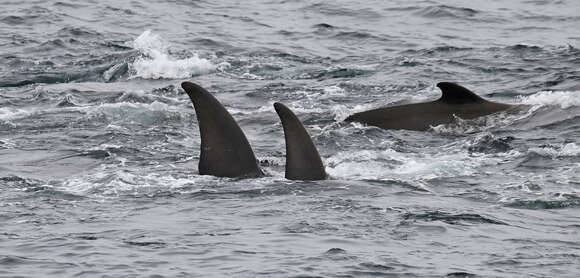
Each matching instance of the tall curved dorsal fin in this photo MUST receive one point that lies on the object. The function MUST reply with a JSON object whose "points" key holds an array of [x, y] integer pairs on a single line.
{"points": [[302, 159], [456, 94], [225, 151]]}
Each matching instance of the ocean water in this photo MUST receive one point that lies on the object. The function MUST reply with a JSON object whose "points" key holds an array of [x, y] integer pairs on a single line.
{"points": [[99, 145]]}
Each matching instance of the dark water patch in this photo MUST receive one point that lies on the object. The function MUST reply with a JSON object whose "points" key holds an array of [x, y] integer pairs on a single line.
{"points": [[490, 144], [95, 154], [404, 184], [68, 4], [245, 19], [18, 40], [87, 236], [335, 251], [403, 8], [546, 17], [9, 261], [19, 182], [556, 79], [68, 59], [376, 267], [443, 11], [531, 29], [294, 188], [323, 26], [268, 213], [41, 78], [53, 194], [251, 21], [13, 20], [524, 48], [268, 53], [289, 34], [133, 97], [333, 73], [78, 33], [34, 15], [305, 227], [332, 9], [121, 11], [116, 45], [169, 91], [338, 254], [571, 202], [571, 124], [53, 45], [453, 219], [548, 157], [152, 244], [438, 50], [460, 275], [503, 262], [264, 68], [56, 76], [213, 44], [356, 36]]}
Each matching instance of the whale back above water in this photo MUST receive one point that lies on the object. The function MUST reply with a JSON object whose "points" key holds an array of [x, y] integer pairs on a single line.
{"points": [[225, 150], [455, 101], [302, 159]]}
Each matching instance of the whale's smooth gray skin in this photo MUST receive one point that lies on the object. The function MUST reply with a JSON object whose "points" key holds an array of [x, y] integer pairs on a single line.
{"points": [[302, 159], [225, 151], [456, 101]]}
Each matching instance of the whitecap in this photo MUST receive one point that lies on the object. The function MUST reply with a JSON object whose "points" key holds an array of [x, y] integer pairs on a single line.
{"points": [[564, 99], [156, 62], [564, 150]]}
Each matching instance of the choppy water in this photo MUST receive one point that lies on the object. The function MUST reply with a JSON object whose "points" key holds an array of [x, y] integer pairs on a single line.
{"points": [[99, 146]]}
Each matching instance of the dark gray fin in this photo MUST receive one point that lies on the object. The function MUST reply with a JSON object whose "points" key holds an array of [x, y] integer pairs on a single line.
{"points": [[302, 159], [225, 151], [456, 94]]}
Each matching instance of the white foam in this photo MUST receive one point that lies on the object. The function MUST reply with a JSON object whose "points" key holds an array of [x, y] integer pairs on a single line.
{"points": [[113, 183], [564, 99], [334, 91], [390, 164], [341, 112], [7, 113], [156, 62], [564, 150], [250, 76]]}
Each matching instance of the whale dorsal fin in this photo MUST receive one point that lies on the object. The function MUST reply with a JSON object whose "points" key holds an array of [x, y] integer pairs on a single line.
{"points": [[456, 94], [302, 159], [225, 151]]}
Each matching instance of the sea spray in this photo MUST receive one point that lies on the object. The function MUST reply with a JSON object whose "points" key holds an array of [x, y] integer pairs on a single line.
{"points": [[156, 62]]}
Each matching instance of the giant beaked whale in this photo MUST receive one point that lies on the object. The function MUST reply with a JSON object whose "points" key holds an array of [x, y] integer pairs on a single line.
{"points": [[226, 152], [302, 159], [455, 101]]}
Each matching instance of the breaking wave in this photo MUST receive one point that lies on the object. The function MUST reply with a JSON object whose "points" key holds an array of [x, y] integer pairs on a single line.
{"points": [[156, 61]]}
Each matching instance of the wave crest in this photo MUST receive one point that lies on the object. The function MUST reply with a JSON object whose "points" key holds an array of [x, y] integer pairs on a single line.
{"points": [[156, 62]]}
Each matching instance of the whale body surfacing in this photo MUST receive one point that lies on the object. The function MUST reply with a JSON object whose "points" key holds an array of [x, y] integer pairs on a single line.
{"points": [[456, 101]]}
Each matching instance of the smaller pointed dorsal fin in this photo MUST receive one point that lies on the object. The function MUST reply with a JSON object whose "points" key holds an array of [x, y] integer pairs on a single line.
{"points": [[302, 159], [456, 94]]}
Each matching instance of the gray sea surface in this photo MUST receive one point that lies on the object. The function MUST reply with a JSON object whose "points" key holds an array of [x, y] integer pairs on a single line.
{"points": [[99, 145]]}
